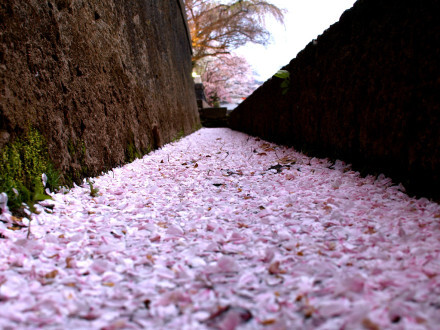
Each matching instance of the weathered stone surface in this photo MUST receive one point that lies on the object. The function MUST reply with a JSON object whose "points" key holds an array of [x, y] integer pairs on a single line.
{"points": [[102, 80], [366, 91]]}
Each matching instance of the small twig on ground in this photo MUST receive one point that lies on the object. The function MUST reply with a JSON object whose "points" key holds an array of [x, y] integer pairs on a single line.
{"points": [[29, 230], [252, 152]]}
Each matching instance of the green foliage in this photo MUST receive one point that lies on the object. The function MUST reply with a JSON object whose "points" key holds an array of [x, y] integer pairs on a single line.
{"points": [[78, 151], [22, 164], [132, 153], [83, 148], [77, 148], [197, 127], [285, 75], [146, 152], [38, 193], [71, 148], [53, 177], [94, 192], [179, 135]]}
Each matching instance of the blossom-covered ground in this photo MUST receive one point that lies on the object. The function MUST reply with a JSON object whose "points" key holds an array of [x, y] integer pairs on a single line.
{"points": [[222, 230]]}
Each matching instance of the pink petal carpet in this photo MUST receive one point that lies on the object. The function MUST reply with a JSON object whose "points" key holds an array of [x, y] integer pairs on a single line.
{"points": [[221, 230]]}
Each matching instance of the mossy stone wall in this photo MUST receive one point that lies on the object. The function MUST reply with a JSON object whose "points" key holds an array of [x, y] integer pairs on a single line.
{"points": [[103, 81]]}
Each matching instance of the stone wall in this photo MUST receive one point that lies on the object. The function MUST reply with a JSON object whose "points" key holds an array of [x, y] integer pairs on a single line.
{"points": [[102, 80], [366, 91]]}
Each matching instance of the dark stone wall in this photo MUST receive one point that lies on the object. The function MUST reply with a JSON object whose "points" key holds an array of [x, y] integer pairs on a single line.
{"points": [[100, 79], [366, 91]]}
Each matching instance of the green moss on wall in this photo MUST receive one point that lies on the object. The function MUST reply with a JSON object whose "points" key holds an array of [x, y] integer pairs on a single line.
{"points": [[132, 153], [71, 148], [179, 135], [197, 126], [22, 164]]}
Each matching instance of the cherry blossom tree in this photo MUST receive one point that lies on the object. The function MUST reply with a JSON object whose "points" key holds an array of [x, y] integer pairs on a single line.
{"points": [[217, 27], [226, 77]]}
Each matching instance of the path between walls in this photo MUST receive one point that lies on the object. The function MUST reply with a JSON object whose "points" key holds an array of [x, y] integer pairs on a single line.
{"points": [[225, 230]]}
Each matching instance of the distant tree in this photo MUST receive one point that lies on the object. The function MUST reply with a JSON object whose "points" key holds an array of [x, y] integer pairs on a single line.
{"points": [[217, 27], [225, 77]]}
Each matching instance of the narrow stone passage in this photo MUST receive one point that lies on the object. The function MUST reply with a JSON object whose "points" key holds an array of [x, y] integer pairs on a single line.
{"points": [[222, 230]]}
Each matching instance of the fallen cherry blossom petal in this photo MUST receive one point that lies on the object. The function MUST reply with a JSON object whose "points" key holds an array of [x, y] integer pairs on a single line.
{"points": [[279, 239]]}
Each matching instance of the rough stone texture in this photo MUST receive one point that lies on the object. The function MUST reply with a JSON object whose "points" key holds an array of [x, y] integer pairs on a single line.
{"points": [[100, 79], [366, 91]]}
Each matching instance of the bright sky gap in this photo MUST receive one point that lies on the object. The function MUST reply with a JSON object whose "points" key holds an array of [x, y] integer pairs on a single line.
{"points": [[304, 21]]}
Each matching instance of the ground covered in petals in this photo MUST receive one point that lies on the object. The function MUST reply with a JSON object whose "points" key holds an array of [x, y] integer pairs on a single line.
{"points": [[222, 230]]}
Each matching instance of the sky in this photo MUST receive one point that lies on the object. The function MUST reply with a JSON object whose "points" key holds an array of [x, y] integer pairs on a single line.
{"points": [[304, 21]]}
